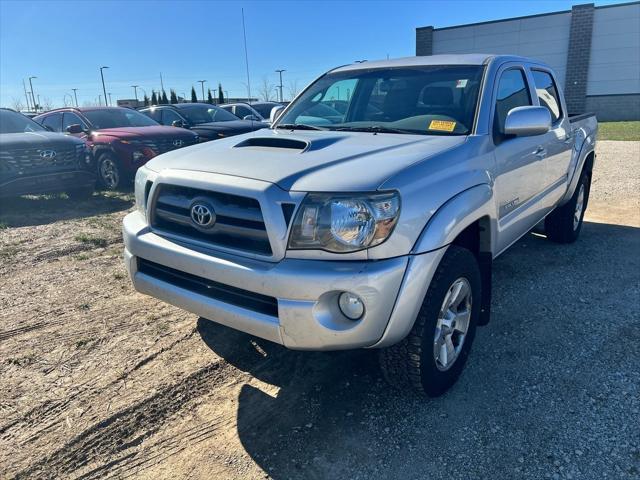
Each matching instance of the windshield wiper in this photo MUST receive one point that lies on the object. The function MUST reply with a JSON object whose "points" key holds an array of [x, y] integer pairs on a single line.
{"points": [[376, 129], [299, 126]]}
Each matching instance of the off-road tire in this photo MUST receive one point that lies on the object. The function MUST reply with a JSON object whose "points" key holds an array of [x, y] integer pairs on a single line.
{"points": [[410, 364], [559, 225]]}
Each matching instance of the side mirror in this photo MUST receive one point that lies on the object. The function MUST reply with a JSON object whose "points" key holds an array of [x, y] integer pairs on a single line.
{"points": [[75, 129], [179, 123], [527, 121], [275, 113], [251, 117]]}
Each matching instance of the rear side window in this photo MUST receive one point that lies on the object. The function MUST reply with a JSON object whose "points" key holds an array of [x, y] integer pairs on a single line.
{"points": [[512, 93], [53, 121], [547, 93]]}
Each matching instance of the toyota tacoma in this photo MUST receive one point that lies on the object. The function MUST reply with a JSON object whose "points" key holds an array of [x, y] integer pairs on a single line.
{"points": [[374, 225]]}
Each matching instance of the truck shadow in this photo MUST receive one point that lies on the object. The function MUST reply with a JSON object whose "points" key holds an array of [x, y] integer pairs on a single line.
{"points": [[44, 209], [334, 417]]}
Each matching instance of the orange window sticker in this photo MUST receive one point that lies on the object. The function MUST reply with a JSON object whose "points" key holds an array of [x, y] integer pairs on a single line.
{"points": [[442, 125]]}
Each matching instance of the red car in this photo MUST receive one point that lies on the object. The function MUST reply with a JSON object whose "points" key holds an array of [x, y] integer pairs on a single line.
{"points": [[121, 139]]}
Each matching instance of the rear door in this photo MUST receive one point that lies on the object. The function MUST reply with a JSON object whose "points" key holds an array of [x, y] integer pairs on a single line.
{"points": [[558, 141], [520, 166]]}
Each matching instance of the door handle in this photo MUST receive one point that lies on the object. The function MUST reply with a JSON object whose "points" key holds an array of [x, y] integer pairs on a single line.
{"points": [[540, 152]]}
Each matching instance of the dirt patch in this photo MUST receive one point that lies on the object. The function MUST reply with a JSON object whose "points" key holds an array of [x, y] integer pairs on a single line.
{"points": [[98, 381]]}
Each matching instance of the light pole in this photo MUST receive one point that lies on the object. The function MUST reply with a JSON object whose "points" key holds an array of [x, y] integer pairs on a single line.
{"points": [[135, 92], [33, 97], [280, 72], [104, 90], [75, 95], [202, 82], [110, 102], [99, 99], [26, 95]]}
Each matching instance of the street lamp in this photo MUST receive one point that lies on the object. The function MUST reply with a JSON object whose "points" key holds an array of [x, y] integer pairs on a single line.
{"points": [[33, 97], [280, 72], [75, 95], [110, 102], [202, 82], [104, 90], [135, 92]]}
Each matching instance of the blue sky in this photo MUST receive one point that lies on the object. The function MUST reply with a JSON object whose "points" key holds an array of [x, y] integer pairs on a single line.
{"points": [[64, 43]]}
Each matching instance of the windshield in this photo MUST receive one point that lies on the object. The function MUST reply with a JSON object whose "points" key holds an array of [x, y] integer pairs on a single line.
{"points": [[197, 114], [430, 100], [118, 117], [14, 122]]}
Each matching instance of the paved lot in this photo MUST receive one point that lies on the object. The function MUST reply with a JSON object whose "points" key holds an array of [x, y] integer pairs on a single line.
{"points": [[98, 381]]}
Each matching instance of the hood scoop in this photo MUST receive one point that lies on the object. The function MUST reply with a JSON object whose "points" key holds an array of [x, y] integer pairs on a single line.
{"points": [[274, 142]]}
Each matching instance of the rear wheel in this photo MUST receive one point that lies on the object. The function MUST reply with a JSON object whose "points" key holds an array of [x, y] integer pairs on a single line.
{"points": [[563, 225], [109, 172], [431, 358]]}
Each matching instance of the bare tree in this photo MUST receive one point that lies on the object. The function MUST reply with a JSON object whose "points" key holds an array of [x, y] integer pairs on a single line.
{"points": [[47, 104], [293, 89], [266, 90], [17, 104], [90, 103]]}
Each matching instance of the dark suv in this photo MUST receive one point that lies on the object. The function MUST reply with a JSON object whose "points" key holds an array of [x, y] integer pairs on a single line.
{"points": [[34, 160], [209, 121], [121, 139]]}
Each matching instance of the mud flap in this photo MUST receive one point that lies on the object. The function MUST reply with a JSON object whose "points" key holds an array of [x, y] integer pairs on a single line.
{"points": [[486, 262]]}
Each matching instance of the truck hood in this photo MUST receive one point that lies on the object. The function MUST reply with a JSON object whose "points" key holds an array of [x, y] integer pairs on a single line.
{"points": [[38, 140], [231, 126], [309, 160], [144, 132]]}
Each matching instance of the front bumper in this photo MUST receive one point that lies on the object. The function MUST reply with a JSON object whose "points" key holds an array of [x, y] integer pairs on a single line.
{"points": [[47, 183], [306, 291]]}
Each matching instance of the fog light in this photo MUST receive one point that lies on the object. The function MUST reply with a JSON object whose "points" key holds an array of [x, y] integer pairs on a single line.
{"points": [[351, 305]]}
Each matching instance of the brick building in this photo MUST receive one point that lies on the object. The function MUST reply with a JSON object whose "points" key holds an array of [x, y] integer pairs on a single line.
{"points": [[594, 50]]}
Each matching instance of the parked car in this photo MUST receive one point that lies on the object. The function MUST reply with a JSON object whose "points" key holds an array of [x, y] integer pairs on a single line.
{"points": [[34, 160], [376, 228], [210, 122], [121, 139], [244, 111]]}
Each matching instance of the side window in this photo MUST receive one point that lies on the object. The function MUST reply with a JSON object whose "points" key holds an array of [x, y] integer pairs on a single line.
{"points": [[169, 116], [71, 119], [154, 114], [547, 93], [512, 93], [53, 121], [242, 111]]}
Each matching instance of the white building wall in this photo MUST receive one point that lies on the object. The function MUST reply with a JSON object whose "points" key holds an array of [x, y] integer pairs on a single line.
{"points": [[614, 65], [545, 38]]}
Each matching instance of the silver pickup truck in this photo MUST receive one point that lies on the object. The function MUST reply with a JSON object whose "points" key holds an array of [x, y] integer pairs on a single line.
{"points": [[370, 213]]}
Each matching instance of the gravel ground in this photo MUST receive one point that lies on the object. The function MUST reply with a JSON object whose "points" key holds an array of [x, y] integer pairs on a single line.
{"points": [[97, 381]]}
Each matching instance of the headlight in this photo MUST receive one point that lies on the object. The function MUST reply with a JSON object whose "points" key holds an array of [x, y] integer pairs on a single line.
{"points": [[143, 184], [344, 223]]}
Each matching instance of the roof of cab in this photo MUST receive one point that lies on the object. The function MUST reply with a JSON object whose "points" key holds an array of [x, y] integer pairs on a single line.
{"points": [[459, 59]]}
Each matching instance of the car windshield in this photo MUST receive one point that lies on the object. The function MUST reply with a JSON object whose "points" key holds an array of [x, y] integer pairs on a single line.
{"points": [[197, 114], [14, 122], [428, 100], [264, 109], [118, 117]]}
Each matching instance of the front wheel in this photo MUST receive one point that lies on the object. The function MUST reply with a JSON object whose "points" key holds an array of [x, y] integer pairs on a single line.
{"points": [[109, 172], [431, 358]]}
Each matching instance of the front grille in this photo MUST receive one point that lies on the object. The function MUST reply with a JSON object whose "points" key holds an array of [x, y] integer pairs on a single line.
{"points": [[162, 145], [203, 286], [239, 224], [28, 160]]}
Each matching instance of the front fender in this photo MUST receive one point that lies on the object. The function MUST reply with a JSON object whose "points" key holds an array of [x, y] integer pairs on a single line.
{"points": [[454, 216]]}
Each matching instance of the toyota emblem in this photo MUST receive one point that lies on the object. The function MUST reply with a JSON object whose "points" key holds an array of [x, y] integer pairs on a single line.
{"points": [[202, 215], [48, 154], [177, 143]]}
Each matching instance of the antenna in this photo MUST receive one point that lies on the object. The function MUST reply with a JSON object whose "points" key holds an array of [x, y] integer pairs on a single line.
{"points": [[246, 59]]}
